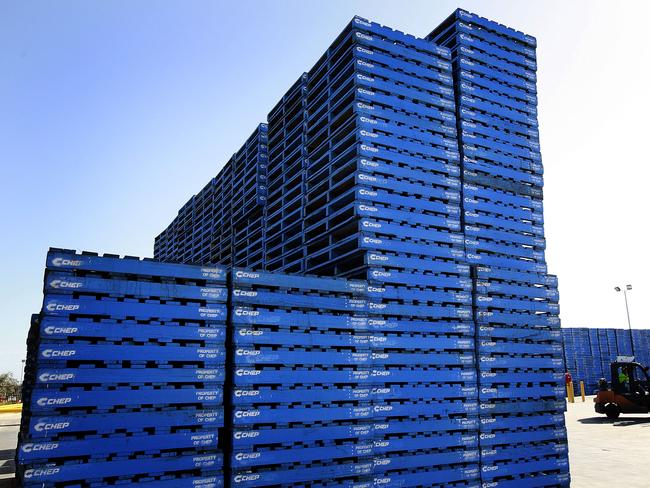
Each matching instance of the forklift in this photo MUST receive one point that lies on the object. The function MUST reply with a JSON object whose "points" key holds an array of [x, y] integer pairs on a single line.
{"points": [[629, 392]]}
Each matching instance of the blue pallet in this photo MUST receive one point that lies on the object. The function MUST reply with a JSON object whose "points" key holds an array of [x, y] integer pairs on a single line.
{"points": [[522, 422], [59, 259], [60, 328], [58, 282], [248, 376], [417, 311], [499, 222], [519, 290], [246, 314], [478, 162], [290, 476], [412, 294], [376, 212], [249, 356], [61, 305], [523, 138], [488, 272], [281, 298], [469, 476], [243, 277], [60, 353], [248, 438], [420, 265], [62, 425], [493, 302], [496, 408], [29, 452], [418, 460], [130, 467], [525, 467], [248, 459], [397, 279], [402, 38], [285, 337], [52, 400], [477, 191], [531, 334], [499, 210], [498, 347], [108, 376], [495, 33]]}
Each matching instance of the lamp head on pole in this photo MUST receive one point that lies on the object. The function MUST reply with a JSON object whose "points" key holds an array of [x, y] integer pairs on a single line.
{"points": [[628, 287], [617, 288]]}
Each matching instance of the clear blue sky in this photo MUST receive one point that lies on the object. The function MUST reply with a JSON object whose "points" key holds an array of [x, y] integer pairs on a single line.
{"points": [[113, 113]]}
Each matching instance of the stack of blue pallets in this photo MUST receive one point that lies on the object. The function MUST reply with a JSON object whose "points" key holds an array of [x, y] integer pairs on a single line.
{"points": [[301, 381], [588, 352], [382, 204], [519, 345], [125, 372], [327, 391], [224, 222], [641, 343]]}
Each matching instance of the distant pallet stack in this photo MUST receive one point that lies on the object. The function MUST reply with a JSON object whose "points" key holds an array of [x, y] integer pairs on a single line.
{"points": [[588, 352], [302, 382], [125, 372], [285, 213], [519, 349], [224, 222]]}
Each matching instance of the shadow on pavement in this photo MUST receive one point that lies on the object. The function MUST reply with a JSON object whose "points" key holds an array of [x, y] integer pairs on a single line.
{"points": [[621, 422]]}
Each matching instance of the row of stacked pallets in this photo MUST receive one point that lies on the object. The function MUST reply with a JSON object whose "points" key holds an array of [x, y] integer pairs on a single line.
{"points": [[588, 352]]}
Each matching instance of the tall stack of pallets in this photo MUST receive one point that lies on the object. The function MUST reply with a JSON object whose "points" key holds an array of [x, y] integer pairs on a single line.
{"points": [[519, 344], [124, 377]]}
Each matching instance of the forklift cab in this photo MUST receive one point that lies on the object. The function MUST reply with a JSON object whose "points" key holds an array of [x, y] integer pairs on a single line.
{"points": [[631, 380]]}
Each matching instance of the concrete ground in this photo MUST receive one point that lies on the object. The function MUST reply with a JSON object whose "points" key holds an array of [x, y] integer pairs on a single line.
{"points": [[9, 423], [605, 453]]}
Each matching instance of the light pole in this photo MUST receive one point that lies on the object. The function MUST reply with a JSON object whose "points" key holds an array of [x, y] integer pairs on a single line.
{"points": [[22, 371], [627, 310]]}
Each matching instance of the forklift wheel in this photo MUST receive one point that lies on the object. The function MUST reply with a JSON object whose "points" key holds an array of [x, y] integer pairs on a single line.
{"points": [[612, 411]]}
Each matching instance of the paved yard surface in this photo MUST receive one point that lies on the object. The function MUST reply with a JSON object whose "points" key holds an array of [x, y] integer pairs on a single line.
{"points": [[8, 436], [606, 453]]}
